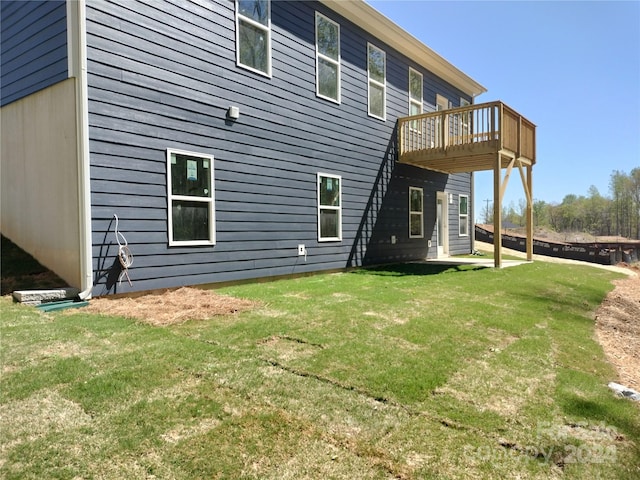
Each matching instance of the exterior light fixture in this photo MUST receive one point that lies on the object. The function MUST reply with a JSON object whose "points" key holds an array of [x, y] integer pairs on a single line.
{"points": [[233, 113]]}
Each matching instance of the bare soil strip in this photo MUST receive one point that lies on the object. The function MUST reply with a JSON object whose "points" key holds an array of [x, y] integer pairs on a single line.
{"points": [[618, 330]]}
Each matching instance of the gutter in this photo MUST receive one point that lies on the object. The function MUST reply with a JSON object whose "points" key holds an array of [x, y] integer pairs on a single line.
{"points": [[77, 54], [369, 19]]}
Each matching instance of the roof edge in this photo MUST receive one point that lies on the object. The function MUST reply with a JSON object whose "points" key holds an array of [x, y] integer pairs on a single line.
{"points": [[367, 17]]}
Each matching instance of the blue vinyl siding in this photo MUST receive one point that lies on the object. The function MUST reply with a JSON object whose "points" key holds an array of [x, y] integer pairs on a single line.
{"points": [[34, 47], [162, 74]]}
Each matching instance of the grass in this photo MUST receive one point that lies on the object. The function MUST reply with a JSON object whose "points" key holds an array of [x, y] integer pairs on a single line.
{"points": [[409, 371]]}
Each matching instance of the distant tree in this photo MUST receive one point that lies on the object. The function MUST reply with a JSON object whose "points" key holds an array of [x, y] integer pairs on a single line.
{"points": [[541, 213], [510, 214], [635, 196], [620, 186], [487, 212], [597, 219], [596, 214], [555, 214]]}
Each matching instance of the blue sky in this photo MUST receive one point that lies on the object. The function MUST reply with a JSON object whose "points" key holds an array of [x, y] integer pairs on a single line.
{"points": [[572, 68]]}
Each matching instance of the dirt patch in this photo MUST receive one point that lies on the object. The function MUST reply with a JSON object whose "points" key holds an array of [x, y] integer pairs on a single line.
{"points": [[170, 307], [618, 330], [289, 348]]}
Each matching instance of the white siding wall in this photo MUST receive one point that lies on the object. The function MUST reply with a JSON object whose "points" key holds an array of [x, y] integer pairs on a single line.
{"points": [[39, 178]]}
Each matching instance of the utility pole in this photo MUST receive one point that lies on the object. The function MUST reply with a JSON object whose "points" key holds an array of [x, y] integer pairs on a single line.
{"points": [[486, 210]]}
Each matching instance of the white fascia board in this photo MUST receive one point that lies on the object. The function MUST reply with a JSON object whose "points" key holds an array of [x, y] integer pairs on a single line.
{"points": [[369, 19]]}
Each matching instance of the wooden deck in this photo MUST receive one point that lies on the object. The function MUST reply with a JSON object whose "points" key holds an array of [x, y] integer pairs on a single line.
{"points": [[486, 136], [467, 139]]}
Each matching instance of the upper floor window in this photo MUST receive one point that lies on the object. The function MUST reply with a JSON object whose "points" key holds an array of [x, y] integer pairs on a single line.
{"points": [[465, 121], [253, 35], [377, 71], [442, 103], [327, 58], [329, 207], [191, 198], [415, 92]]}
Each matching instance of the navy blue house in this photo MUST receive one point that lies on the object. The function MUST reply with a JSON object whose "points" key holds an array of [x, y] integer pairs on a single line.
{"points": [[225, 140]]}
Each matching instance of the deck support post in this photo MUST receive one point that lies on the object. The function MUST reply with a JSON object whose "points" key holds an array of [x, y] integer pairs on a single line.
{"points": [[497, 213], [529, 219], [527, 185]]}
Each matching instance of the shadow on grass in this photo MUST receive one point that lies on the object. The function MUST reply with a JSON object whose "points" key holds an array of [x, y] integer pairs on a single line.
{"points": [[415, 269], [597, 412]]}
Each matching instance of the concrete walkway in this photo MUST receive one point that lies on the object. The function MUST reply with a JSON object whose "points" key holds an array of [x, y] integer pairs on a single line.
{"points": [[477, 261], [488, 247]]}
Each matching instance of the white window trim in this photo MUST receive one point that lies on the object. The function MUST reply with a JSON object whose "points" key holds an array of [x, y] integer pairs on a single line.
{"points": [[375, 82], [421, 212], [210, 200], [414, 101], [462, 217], [267, 29], [442, 103], [328, 59], [465, 119], [329, 207]]}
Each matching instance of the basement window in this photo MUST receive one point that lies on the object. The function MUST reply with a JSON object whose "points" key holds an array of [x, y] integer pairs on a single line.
{"points": [[463, 214], [329, 207], [416, 212], [190, 182]]}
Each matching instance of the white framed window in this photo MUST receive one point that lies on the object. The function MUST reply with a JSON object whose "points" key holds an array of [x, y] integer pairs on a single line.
{"points": [[442, 103], [329, 207], [465, 121], [463, 214], [416, 212], [327, 58], [253, 35], [377, 73], [191, 199], [415, 92], [442, 136]]}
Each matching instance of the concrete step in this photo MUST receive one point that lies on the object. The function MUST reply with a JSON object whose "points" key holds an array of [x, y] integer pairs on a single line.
{"points": [[37, 297]]}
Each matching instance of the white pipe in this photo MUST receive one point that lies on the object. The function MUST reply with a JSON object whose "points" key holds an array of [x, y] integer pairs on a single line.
{"points": [[79, 47]]}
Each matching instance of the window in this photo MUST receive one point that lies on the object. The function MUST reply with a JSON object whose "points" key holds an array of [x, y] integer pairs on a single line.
{"points": [[376, 68], [442, 103], [416, 223], [327, 58], [442, 135], [463, 213], [191, 199], [329, 207], [415, 92], [465, 122], [253, 35]]}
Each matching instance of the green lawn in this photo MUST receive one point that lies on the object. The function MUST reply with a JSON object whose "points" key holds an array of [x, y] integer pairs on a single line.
{"points": [[412, 371]]}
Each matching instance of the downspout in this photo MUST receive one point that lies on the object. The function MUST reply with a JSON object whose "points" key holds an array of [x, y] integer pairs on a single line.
{"points": [[472, 227], [76, 9]]}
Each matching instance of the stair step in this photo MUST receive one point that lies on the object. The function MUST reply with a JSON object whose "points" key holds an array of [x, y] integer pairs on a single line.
{"points": [[37, 297]]}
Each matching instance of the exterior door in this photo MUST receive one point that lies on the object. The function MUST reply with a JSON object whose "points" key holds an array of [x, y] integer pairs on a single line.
{"points": [[442, 225], [441, 104]]}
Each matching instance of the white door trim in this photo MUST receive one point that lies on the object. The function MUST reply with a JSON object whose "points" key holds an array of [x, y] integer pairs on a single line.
{"points": [[442, 224]]}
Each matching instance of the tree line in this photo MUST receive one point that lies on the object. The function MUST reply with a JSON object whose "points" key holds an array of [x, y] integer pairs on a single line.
{"points": [[617, 214]]}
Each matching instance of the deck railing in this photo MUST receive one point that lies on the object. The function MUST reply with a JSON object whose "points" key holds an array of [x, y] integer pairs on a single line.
{"points": [[473, 125]]}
